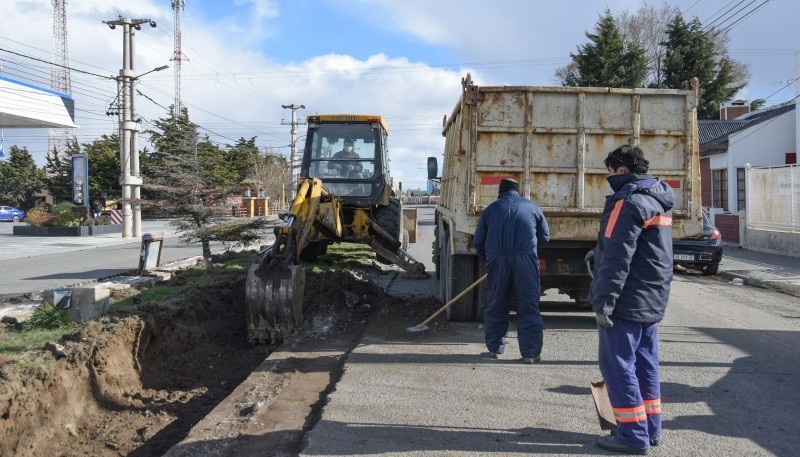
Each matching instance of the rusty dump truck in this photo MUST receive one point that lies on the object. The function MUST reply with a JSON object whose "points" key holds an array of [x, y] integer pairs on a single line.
{"points": [[554, 140]]}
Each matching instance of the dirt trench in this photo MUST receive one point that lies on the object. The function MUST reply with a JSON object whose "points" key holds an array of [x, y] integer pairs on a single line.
{"points": [[136, 383]]}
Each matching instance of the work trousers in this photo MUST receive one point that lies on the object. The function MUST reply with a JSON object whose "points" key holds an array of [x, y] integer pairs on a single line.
{"points": [[516, 274], [628, 358]]}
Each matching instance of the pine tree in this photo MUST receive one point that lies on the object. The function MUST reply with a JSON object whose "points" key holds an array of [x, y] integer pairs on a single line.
{"points": [[606, 61], [187, 177], [692, 52], [20, 178], [104, 166], [58, 171]]}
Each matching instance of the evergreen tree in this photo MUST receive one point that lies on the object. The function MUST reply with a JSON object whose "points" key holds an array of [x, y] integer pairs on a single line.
{"points": [[606, 61], [20, 178], [188, 178], [58, 170], [104, 166], [692, 52]]}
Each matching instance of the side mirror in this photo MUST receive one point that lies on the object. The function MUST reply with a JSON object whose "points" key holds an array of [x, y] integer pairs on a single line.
{"points": [[433, 168]]}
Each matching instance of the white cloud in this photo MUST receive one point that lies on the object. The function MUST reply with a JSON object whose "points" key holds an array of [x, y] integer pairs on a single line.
{"points": [[234, 89]]}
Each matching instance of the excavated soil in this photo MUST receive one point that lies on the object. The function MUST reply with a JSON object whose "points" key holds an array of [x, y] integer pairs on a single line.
{"points": [[136, 383]]}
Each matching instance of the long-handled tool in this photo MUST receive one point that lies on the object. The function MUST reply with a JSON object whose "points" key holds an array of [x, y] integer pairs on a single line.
{"points": [[423, 326]]}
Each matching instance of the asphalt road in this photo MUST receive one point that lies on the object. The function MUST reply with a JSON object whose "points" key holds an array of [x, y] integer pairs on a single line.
{"points": [[730, 378], [30, 264]]}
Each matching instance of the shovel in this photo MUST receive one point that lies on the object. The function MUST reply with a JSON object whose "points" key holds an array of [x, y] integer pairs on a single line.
{"points": [[424, 327]]}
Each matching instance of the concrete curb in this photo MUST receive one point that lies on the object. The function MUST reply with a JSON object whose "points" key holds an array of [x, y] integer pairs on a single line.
{"points": [[782, 287]]}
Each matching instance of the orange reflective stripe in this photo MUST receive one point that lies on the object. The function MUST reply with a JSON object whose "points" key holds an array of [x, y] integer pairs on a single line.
{"points": [[658, 220], [635, 414], [629, 410], [612, 220], [652, 406]]}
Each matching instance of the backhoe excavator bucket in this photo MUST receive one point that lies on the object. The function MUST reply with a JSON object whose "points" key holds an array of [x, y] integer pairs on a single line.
{"points": [[274, 300]]}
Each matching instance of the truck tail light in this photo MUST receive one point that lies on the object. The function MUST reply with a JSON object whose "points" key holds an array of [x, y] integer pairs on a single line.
{"points": [[542, 267]]}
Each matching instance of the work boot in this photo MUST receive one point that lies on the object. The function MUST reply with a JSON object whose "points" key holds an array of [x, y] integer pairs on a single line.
{"points": [[655, 442], [611, 443], [490, 355], [531, 360]]}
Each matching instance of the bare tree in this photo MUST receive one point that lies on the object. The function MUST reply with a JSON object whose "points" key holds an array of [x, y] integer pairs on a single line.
{"points": [[272, 169], [647, 27]]}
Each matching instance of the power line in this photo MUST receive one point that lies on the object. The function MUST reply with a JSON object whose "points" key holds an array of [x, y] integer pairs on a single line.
{"points": [[745, 16], [58, 65], [710, 21]]}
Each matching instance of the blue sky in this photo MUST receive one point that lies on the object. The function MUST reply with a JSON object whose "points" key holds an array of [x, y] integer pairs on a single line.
{"points": [[403, 60]]}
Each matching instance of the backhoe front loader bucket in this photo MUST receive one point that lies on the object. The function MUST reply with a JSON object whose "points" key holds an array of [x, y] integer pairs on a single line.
{"points": [[274, 300]]}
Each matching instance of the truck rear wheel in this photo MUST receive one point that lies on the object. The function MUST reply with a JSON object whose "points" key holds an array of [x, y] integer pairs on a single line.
{"points": [[389, 218], [462, 272]]}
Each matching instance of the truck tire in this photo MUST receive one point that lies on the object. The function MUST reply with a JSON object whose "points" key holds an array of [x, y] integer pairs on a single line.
{"points": [[462, 271], [389, 218], [443, 264]]}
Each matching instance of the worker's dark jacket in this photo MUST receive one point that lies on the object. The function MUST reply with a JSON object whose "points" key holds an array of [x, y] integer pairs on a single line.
{"points": [[633, 257], [510, 226]]}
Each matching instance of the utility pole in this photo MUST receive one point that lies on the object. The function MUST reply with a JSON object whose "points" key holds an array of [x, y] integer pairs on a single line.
{"points": [[294, 160], [129, 179]]}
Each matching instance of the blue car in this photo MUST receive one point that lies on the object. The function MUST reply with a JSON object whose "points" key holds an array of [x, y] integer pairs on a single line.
{"points": [[9, 213]]}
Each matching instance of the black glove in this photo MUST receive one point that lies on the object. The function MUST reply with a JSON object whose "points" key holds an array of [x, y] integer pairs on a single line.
{"points": [[603, 320]]}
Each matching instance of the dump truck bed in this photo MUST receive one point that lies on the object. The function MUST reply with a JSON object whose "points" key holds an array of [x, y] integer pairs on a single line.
{"points": [[554, 141]]}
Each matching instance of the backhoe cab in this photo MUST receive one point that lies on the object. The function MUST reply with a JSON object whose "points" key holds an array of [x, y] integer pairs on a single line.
{"points": [[344, 194]]}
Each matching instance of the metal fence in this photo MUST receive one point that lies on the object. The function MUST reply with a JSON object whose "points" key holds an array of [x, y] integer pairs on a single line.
{"points": [[427, 200], [773, 198]]}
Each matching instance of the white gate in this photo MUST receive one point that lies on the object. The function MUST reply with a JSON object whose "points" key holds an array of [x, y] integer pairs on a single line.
{"points": [[773, 198]]}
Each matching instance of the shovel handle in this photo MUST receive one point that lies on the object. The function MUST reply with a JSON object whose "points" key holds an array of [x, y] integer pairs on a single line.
{"points": [[455, 299]]}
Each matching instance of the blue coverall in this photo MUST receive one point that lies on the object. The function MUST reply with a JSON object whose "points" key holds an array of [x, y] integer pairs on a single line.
{"points": [[632, 276], [508, 233]]}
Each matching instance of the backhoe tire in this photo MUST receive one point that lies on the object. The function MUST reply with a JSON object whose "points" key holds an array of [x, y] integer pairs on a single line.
{"points": [[389, 218], [312, 251]]}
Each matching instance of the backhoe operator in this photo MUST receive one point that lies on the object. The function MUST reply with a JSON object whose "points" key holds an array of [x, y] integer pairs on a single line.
{"points": [[345, 168]]}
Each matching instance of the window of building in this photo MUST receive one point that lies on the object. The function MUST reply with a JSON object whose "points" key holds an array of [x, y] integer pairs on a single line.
{"points": [[719, 179], [741, 200]]}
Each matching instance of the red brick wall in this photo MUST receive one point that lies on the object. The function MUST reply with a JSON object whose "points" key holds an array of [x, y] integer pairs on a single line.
{"points": [[732, 112], [705, 182], [728, 226]]}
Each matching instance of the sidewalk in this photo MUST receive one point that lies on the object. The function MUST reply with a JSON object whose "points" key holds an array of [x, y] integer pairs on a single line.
{"points": [[769, 271]]}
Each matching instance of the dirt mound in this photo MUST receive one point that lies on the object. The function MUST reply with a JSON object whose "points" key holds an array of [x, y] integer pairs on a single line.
{"points": [[135, 383]]}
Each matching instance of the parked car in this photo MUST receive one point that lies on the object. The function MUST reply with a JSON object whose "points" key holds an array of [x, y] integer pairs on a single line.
{"points": [[9, 213], [702, 252]]}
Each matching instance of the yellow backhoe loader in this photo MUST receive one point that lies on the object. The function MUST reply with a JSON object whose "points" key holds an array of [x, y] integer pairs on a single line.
{"points": [[344, 194]]}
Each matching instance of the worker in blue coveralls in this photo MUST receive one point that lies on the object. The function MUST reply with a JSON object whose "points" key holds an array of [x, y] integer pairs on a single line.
{"points": [[508, 233], [629, 294]]}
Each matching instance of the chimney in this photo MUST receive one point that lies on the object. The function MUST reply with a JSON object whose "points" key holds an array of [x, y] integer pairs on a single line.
{"points": [[733, 109]]}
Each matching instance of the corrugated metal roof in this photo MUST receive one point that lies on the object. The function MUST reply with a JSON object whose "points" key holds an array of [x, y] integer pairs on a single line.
{"points": [[714, 132], [711, 130]]}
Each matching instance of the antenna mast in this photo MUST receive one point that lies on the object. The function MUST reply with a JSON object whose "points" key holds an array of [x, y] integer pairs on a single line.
{"points": [[177, 55], [60, 79]]}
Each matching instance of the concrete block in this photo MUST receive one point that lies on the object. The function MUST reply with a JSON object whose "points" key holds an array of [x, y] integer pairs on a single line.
{"points": [[88, 303], [161, 275], [59, 297]]}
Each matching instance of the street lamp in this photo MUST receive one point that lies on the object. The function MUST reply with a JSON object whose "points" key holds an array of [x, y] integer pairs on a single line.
{"points": [[163, 67]]}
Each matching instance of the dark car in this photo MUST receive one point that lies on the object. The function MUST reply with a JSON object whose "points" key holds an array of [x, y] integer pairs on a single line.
{"points": [[9, 213], [702, 252]]}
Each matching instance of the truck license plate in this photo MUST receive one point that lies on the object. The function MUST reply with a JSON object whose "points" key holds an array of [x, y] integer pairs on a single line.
{"points": [[683, 257]]}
